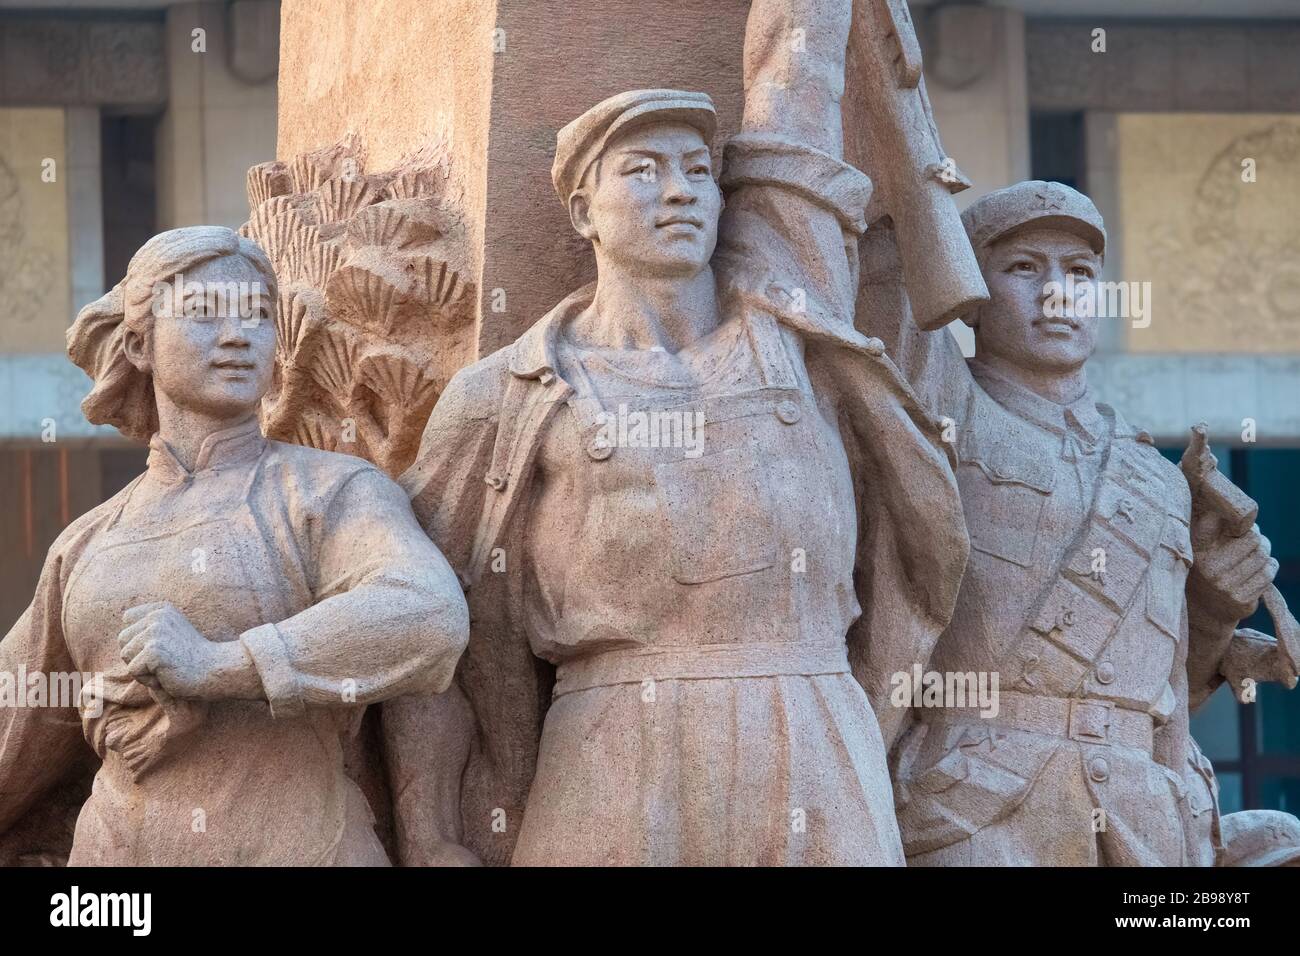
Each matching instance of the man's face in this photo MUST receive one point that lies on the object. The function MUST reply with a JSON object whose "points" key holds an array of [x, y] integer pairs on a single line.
{"points": [[651, 202], [1026, 273], [217, 354]]}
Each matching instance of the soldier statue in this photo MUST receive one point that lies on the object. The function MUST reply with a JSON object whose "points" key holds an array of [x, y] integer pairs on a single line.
{"points": [[1077, 592]]}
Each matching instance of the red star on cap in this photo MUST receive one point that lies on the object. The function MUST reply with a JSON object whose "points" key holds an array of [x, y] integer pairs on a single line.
{"points": [[1049, 200]]}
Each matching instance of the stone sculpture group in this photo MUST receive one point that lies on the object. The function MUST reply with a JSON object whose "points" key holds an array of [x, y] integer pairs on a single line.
{"points": [[642, 593]]}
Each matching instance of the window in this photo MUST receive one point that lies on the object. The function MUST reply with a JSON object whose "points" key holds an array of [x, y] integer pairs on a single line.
{"points": [[1255, 747]]}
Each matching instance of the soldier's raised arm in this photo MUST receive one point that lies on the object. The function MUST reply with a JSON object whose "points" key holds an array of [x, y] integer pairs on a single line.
{"points": [[931, 362]]}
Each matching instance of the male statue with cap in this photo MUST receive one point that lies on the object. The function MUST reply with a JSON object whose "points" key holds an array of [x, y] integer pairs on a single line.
{"points": [[1077, 592], [694, 498]]}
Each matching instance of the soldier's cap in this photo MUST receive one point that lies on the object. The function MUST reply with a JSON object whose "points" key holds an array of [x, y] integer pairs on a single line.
{"points": [[1045, 205], [580, 143]]}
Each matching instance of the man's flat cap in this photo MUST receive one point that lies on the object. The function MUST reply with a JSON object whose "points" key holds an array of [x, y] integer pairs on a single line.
{"points": [[580, 143], [1045, 205]]}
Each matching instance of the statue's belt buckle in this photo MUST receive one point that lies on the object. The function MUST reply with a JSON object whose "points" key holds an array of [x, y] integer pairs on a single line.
{"points": [[1090, 721]]}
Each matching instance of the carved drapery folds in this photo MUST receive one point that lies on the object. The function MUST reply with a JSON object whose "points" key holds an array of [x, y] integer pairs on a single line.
{"points": [[375, 310]]}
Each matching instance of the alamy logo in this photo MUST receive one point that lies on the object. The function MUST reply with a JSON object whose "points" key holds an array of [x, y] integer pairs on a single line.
{"points": [[962, 689], [661, 429], [1104, 300], [24, 688], [103, 909], [191, 299]]}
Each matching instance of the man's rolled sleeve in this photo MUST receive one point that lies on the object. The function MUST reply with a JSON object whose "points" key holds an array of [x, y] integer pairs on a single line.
{"points": [[791, 225], [770, 160]]}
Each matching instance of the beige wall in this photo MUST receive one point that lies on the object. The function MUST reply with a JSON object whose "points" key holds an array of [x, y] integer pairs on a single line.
{"points": [[35, 277], [216, 125], [1222, 253], [975, 73]]}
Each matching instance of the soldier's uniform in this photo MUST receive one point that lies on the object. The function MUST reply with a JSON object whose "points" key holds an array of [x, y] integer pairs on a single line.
{"points": [[1074, 596]]}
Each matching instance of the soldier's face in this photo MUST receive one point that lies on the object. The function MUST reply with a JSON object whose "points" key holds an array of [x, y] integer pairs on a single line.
{"points": [[1030, 321], [654, 205]]}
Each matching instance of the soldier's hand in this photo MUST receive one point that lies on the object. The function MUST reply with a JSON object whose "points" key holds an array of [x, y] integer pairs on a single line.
{"points": [[1232, 572], [1253, 658]]}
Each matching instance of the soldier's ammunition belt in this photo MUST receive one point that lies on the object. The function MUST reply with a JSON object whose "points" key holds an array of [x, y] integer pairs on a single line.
{"points": [[1085, 720]]}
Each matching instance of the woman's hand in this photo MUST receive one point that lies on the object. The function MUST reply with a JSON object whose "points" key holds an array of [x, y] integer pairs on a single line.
{"points": [[163, 650]]}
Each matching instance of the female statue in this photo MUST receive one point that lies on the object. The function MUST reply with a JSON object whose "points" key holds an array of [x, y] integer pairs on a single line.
{"points": [[234, 609]]}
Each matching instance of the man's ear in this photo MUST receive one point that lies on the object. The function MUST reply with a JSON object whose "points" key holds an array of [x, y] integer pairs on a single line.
{"points": [[138, 350], [580, 215]]}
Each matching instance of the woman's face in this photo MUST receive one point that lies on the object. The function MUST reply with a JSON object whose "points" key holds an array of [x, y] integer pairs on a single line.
{"points": [[213, 343]]}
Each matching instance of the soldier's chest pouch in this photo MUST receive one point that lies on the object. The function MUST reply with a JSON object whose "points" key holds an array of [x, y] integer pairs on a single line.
{"points": [[1003, 495], [1170, 563]]}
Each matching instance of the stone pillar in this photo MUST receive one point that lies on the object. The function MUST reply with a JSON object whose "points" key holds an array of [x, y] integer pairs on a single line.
{"points": [[85, 208]]}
